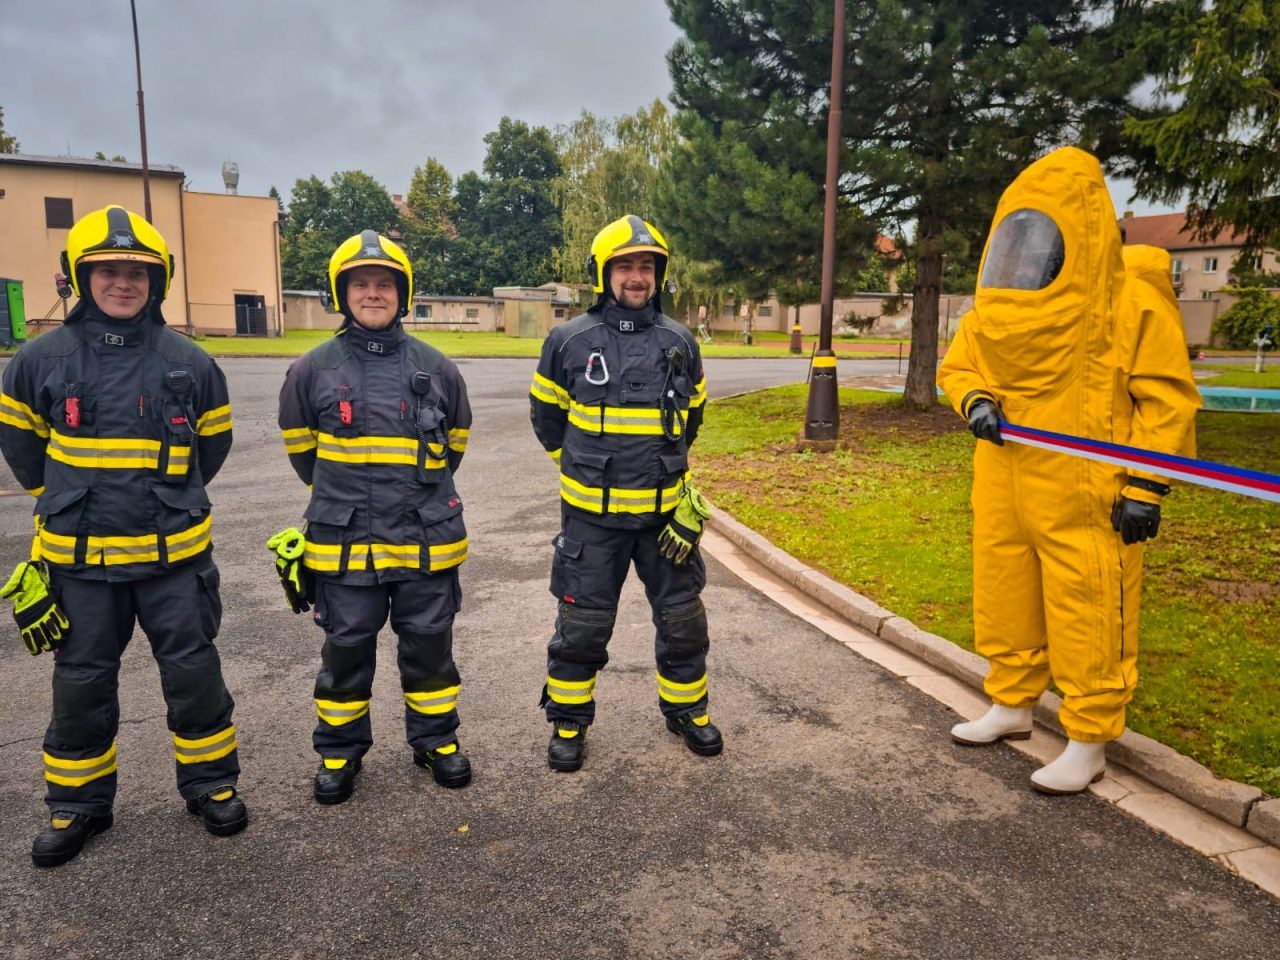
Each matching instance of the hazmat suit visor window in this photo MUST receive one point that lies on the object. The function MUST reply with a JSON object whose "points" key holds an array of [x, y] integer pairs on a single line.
{"points": [[1025, 252]]}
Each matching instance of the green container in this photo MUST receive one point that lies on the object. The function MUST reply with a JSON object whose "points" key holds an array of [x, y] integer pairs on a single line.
{"points": [[13, 312]]}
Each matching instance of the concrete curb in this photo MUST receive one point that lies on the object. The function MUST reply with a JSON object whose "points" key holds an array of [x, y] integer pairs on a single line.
{"points": [[1235, 803]]}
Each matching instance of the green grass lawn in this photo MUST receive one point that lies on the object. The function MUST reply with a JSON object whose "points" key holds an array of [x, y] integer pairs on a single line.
{"points": [[1269, 379], [470, 344], [888, 514]]}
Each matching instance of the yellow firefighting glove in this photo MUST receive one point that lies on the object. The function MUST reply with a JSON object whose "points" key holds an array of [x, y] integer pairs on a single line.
{"points": [[299, 588], [684, 530], [40, 620]]}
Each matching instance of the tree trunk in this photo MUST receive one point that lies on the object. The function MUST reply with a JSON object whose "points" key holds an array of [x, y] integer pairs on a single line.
{"points": [[922, 368]]}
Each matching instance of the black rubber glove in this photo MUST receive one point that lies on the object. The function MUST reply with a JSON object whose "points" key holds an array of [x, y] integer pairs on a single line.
{"points": [[984, 422], [1135, 521]]}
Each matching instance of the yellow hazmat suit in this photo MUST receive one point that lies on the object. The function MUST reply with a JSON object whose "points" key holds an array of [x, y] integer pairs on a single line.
{"points": [[1060, 342]]}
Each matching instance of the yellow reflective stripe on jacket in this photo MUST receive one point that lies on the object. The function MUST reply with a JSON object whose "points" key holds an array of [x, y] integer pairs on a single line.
{"points": [[621, 500], [111, 551], [673, 692], [548, 391], [205, 749], [299, 439], [327, 557], [636, 421], [17, 414], [402, 450], [36, 491], [337, 713], [76, 773], [555, 454], [570, 691], [435, 702], [217, 420], [105, 452], [446, 555], [699, 394], [458, 438]]}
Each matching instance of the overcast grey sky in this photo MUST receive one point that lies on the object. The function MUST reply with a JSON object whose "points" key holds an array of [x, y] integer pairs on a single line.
{"points": [[291, 88]]}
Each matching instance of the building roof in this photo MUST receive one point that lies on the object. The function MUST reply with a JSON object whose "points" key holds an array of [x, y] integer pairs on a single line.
{"points": [[887, 248], [88, 163], [1170, 231]]}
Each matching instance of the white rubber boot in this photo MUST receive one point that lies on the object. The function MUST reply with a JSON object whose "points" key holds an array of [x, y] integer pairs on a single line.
{"points": [[1075, 768], [998, 723]]}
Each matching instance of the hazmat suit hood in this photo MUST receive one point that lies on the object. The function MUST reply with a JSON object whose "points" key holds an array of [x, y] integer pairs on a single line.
{"points": [[1051, 272]]}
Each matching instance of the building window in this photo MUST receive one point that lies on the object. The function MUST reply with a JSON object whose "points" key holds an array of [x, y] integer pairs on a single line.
{"points": [[422, 311], [765, 312], [559, 311], [728, 310], [1206, 294], [1177, 267], [57, 213], [1210, 264], [473, 313]]}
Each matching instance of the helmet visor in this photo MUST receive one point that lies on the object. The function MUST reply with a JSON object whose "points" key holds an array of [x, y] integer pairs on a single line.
{"points": [[1025, 252]]}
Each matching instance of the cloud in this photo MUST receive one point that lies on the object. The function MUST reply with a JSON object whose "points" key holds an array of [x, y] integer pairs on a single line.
{"points": [[291, 88]]}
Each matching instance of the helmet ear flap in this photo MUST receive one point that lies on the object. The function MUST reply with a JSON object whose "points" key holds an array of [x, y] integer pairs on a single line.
{"points": [[592, 274]]}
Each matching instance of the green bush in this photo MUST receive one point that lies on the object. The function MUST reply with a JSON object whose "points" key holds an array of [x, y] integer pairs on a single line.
{"points": [[1238, 326]]}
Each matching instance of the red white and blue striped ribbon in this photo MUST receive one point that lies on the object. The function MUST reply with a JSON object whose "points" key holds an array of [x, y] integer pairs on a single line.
{"points": [[1251, 483]]}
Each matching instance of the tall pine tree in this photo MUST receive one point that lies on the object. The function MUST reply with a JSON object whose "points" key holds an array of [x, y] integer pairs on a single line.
{"points": [[943, 103]]}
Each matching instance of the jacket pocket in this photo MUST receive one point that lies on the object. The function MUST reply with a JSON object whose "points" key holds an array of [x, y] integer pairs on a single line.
{"points": [[58, 516], [444, 534], [191, 501], [329, 513]]}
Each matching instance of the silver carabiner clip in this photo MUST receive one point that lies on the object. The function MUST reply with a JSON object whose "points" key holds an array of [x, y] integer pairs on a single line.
{"points": [[604, 369]]}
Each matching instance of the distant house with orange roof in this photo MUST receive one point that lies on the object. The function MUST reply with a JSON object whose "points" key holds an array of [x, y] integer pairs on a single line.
{"points": [[1201, 267]]}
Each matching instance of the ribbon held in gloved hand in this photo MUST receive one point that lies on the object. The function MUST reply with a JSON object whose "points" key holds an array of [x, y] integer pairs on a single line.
{"points": [[682, 533], [299, 589], [40, 620]]}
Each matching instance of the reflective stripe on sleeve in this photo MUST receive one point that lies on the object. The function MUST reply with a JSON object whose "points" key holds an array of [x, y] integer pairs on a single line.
{"points": [[458, 438], [299, 439], [699, 394], [205, 749], [217, 420], [548, 391], [17, 414]]}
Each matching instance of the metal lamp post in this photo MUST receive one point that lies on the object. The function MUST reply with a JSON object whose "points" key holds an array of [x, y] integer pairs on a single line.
{"points": [[822, 419]]}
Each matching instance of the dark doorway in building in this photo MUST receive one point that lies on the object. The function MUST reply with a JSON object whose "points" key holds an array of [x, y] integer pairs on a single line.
{"points": [[251, 315]]}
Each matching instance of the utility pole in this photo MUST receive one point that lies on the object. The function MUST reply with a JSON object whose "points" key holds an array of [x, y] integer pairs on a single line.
{"points": [[822, 420], [142, 117]]}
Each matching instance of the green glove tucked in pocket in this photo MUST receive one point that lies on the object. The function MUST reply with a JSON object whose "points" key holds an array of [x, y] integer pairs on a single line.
{"points": [[299, 586], [40, 620], [684, 530]]}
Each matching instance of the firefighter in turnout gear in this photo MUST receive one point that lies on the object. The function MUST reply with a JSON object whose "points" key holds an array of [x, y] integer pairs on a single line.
{"points": [[115, 424], [1061, 338], [376, 423], [616, 401]]}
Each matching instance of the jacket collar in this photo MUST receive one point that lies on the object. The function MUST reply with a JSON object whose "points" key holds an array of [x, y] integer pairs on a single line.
{"points": [[375, 342], [626, 320]]}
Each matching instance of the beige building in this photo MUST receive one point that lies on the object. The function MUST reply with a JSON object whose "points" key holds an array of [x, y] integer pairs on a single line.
{"points": [[226, 248], [306, 310]]}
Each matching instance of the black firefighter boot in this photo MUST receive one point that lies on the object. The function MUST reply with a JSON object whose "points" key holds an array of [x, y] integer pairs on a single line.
{"points": [[223, 812], [568, 746], [449, 766], [66, 835], [336, 779], [700, 734]]}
